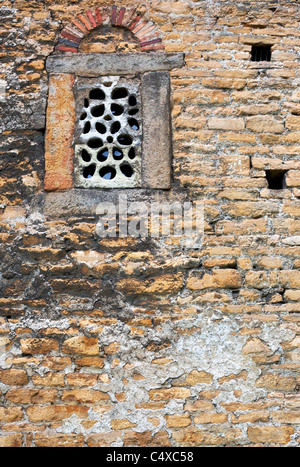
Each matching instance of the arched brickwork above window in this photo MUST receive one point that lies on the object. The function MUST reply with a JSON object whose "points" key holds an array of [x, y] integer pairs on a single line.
{"points": [[146, 31]]}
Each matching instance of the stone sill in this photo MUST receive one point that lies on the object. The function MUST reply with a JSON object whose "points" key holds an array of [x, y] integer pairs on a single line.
{"points": [[105, 64], [84, 202]]}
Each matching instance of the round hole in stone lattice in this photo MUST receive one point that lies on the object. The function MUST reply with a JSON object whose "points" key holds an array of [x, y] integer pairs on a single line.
{"points": [[107, 84], [108, 173], [131, 153], [100, 128], [125, 140], [117, 154], [126, 170], [102, 155], [98, 111], [109, 139], [97, 94], [108, 118], [86, 103], [88, 172], [95, 143], [134, 124], [117, 109], [83, 116], [132, 101], [87, 128], [133, 111], [119, 93], [85, 155], [116, 126]]}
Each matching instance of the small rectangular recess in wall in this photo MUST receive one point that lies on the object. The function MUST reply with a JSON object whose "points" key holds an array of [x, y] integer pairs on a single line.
{"points": [[276, 179], [261, 53]]}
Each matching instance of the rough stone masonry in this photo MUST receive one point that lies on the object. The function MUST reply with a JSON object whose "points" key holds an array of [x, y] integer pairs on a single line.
{"points": [[139, 341]]}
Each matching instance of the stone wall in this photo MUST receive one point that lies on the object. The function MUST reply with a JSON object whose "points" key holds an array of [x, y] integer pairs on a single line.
{"points": [[138, 341]]}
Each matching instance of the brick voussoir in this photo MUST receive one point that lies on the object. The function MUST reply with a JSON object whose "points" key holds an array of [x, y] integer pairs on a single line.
{"points": [[153, 48], [134, 22], [121, 16], [70, 37], [66, 49], [127, 19], [146, 31], [114, 15], [91, 18], [153, 35], [85, 21], [154, 41], [68, 43], [74, 31], [139, 26], [79, 25]]}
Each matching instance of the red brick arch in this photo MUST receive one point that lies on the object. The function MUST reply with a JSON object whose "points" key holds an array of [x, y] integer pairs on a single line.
{"points": [[144, 30]]}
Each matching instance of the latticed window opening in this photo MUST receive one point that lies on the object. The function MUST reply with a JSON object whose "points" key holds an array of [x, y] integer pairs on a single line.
{"points": [[109, 133]]}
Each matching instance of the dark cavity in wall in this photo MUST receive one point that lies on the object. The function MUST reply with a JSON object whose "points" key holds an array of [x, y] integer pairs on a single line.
{"points": [[276, 179], [261, 53]]}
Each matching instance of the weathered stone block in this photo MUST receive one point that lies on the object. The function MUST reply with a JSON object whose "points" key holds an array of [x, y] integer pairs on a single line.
{"points": [[59, 152], [264, 124], [232, 124], [59, 440], [38, 345], [157, 134], [39, 413], [13, 377], [270, 434], [10, 414], [11, 440], [219, 278], [107, 64], [81, 345]]}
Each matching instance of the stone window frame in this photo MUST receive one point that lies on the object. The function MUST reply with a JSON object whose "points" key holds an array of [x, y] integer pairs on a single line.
{"points": [[155, 88], [151, 66], [153, 70]]}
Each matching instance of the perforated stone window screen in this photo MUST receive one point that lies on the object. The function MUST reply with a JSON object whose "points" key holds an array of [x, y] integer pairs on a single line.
{"points": [[108, 134], [109, 121]]}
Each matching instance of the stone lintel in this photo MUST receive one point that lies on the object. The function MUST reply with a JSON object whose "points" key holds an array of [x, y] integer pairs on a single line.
{"points": [[104, 64]]}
